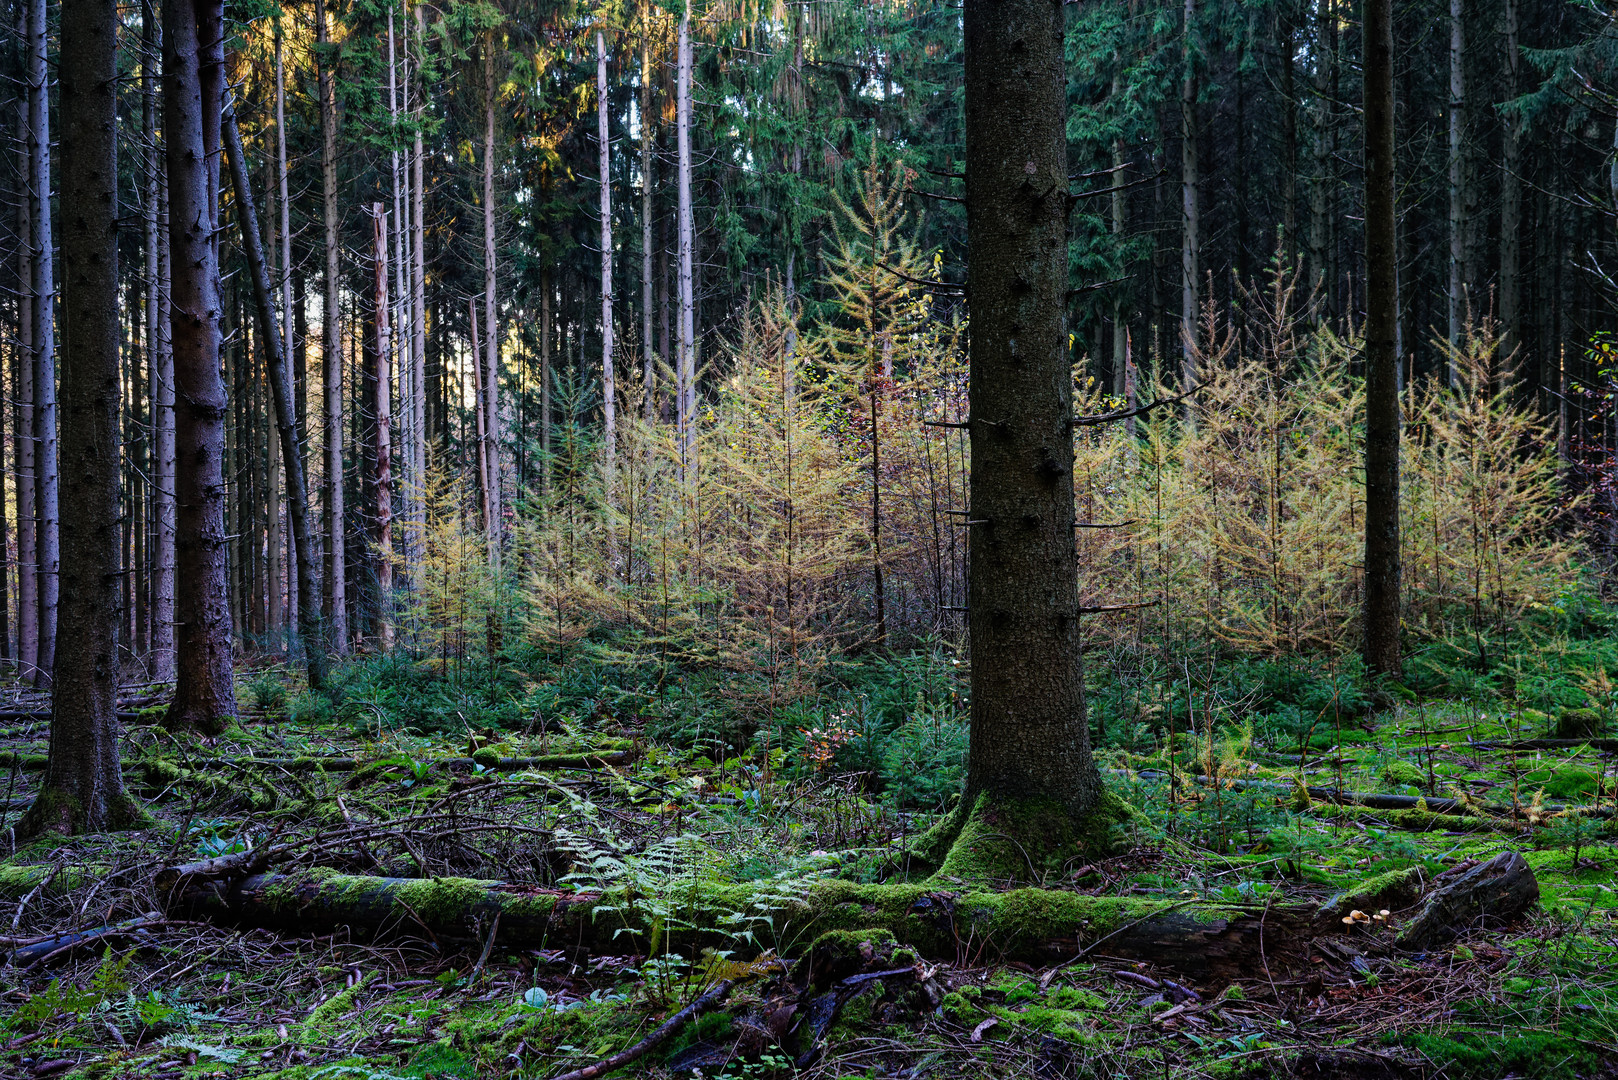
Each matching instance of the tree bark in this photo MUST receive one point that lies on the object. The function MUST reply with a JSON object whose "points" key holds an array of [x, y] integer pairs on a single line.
{"points": [[1510, 194], [193, 76], [648, 351], [491, 329], [164, 511], [1030, 747], [1382, 572], [290, 449], [685, 374], [1190, 198], [83, 789], [609, 389], [331, 357], [384, 437], [22, 416], [418, 311], [47, 535], [1458, 269]]}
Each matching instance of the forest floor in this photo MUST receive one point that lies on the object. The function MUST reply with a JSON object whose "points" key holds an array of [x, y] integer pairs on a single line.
{"points": [[411, 773]]}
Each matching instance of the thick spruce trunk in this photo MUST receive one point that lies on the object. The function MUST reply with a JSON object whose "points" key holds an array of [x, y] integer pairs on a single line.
{"points": [[1382, 583], [1033, 793], [83, 790], [193, 77]]}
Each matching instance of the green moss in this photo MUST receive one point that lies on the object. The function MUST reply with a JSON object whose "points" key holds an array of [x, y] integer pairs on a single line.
{"points": [[1076, 998], [488, 757], [1395, 889], [1403, 774], [332, 1009], [997, 840], [961, 1005]]}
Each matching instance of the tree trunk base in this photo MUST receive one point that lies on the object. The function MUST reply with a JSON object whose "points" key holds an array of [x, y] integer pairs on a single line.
{"points": [[993, 840]]}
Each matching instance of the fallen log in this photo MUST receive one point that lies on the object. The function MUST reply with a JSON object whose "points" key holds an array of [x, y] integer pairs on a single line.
{"points": [[1490, 894], [1034, 925], [37, 762], [1523, 746], [1376, 800], [60, 944]]}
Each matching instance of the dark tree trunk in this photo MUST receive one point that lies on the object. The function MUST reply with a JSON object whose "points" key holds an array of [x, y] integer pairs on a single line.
{"points": [[1030, 772], [47, 531], [336, 580], [83, 789], [286, 418], [1381, 350], [193, 44]]}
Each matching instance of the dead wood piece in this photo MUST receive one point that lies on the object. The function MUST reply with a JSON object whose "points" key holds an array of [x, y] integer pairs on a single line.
{"points": [[236, 864], [1529, 745], [60, 944], [1493, 893], [1034, 925], [505, 764], [709, 1000]]}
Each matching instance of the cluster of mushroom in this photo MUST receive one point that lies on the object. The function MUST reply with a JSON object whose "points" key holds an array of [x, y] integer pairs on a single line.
{"points": [[1358, 916]]}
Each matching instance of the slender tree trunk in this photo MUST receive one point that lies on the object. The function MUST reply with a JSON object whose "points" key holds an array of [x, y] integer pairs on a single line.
{"points": [[289, 446], [1029, 741], [686, 377], [648, 352], [298, 506], [546, 330], [1382, 585], [193, 76], [1458, 270], [83, 789], [384, 439], [1120, 329], [491, 330], [47, 534], [1289, 142], [418, 308], [331, 356], [1510, 194], [22, 379], [1190, 197], [399, 318], [1319, 182], [276, 593], [609, 389], [164, 511], [480, 407]]}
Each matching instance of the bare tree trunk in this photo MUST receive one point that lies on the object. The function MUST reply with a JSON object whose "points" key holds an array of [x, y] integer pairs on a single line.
{"points": [[480, 407], [1382, 571], [686, 371], [418, 310], [1029, 758], [648, 352], [491, 330], [193, 76], [1319, 207], [331, 359], [22, 416], [1191, 241], [384, 438], [164, 511], [295, 506], [1510, 193], [83, 789], [286, 417], [400, 316], [1458, 270], [609, 388], [47, 534], [1120, 329], [546, 330]]}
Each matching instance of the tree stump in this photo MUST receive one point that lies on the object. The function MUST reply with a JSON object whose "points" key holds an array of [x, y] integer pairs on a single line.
{"points": [[1490, 894]]}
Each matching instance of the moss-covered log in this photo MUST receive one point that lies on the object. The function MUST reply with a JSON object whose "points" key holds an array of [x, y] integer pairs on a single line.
{"points": [[492, 762], [1033, 925]]}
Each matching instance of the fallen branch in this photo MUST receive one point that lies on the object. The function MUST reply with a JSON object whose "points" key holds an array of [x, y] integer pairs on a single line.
{"points": [[707, 1002], [585, 760]]}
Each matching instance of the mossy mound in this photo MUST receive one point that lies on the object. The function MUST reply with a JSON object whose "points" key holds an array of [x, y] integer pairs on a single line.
{"points": [[995, 840]]}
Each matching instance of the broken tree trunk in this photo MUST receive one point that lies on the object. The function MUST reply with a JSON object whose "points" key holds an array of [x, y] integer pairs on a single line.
{"points": [[1033, 925], [1490, 894]]}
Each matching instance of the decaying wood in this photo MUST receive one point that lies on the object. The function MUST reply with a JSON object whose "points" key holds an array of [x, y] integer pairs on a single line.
{"points": [[1033, 925], [708, 1001], [36, 762], [1492, 893]]}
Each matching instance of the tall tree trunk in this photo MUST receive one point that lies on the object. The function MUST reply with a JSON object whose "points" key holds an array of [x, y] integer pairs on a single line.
{"points": [[83, 789], [1191, 240], [1289, 141], [1382, 585], [193, 77], [331, 355], [685, 374], [290, 447], [609, 389], [297, 506], [418, 309], [47, 533], [491, 330], [648, 351], [276, 593], [384, 438], [1030, 746], [164, 511], [480, 409], [22, 380], [546, 330], [399, 318], [1120, 330], [1320, 180], [1458, 270], [1510, 194]]}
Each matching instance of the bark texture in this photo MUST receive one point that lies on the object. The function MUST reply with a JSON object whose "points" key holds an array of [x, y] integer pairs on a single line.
{"points": [[204, 698], [1029, 740], [1382, 576], [83, 788], [331, 353]]}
